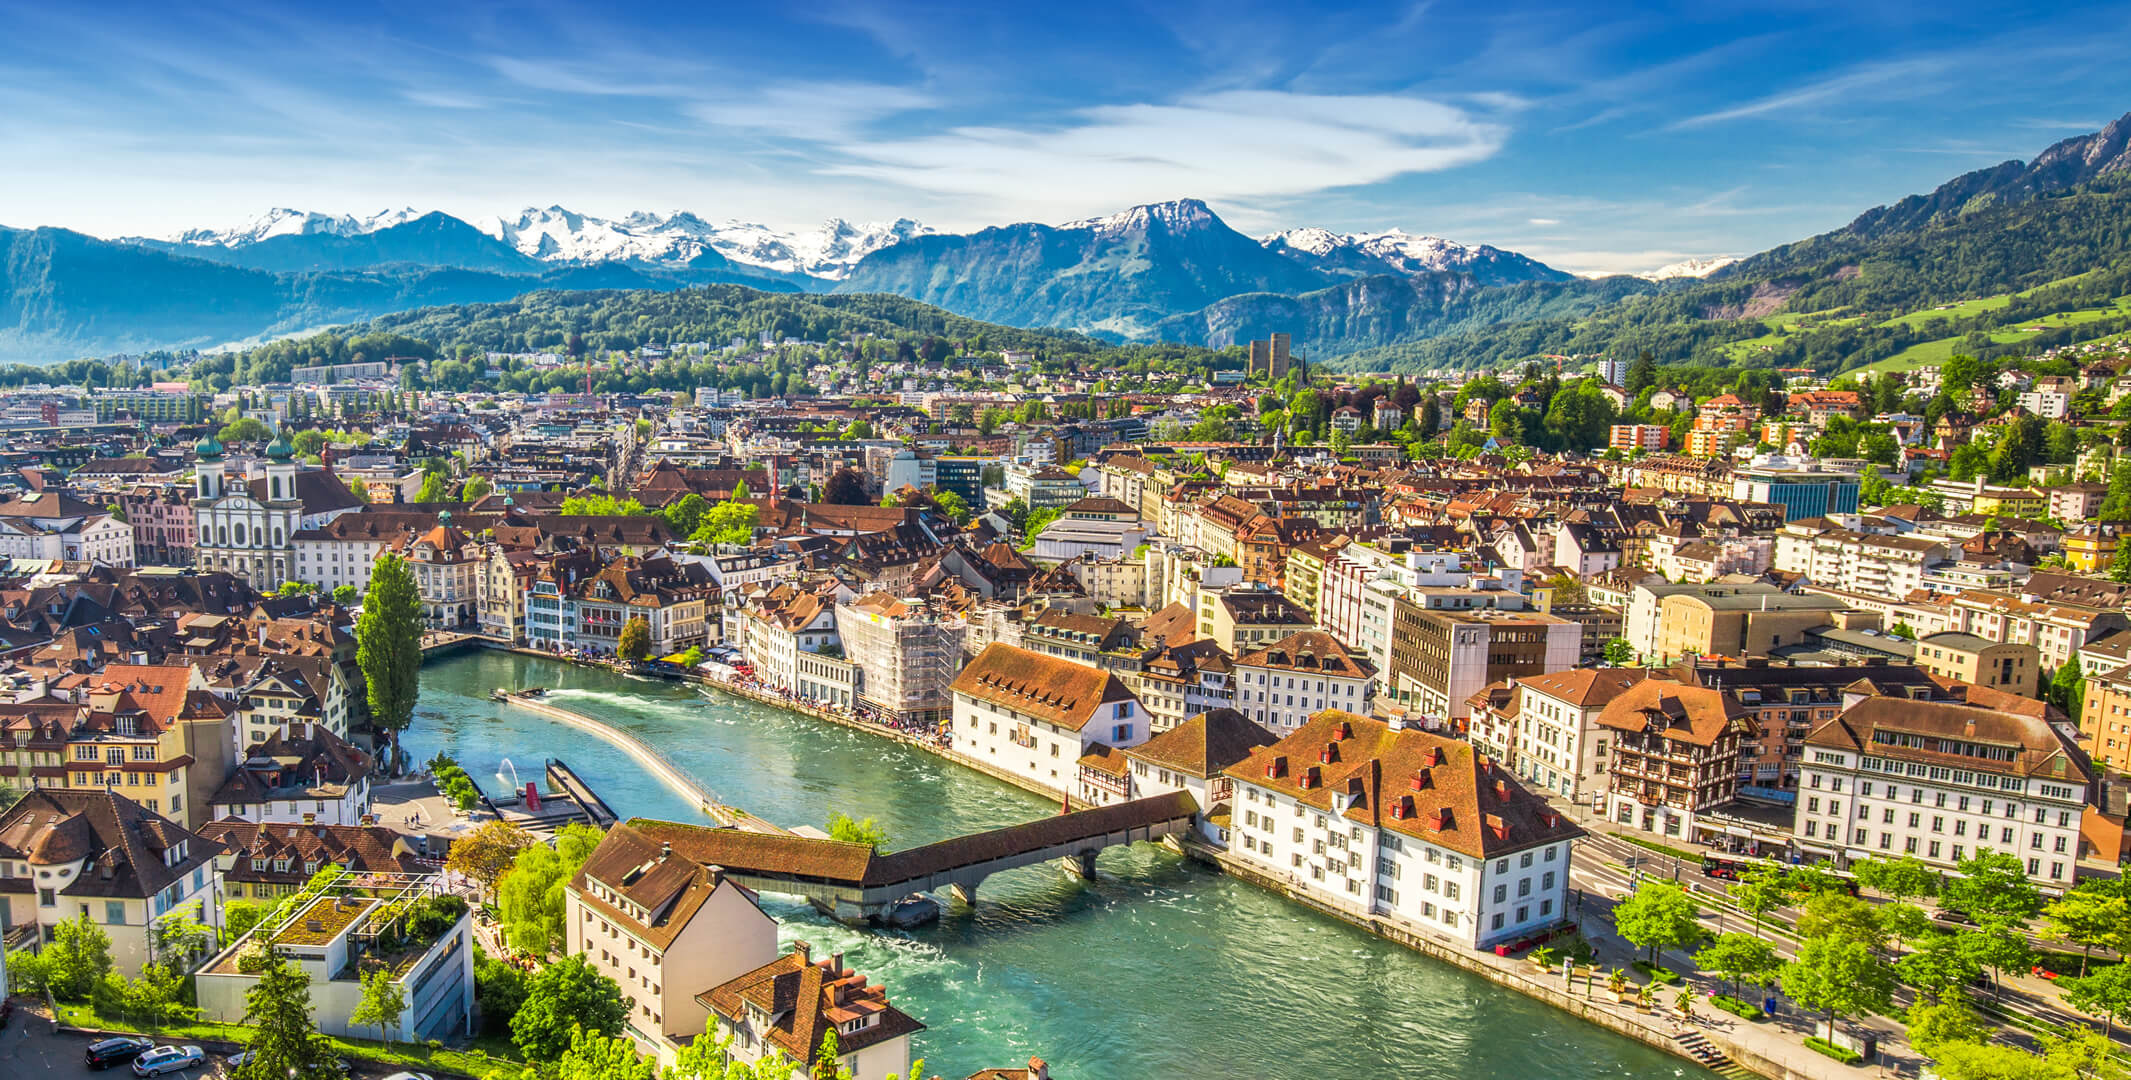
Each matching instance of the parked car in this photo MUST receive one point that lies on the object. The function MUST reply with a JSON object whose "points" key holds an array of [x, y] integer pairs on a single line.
{"points": [[165, 1059], [103, 1055], [410, 1076]]}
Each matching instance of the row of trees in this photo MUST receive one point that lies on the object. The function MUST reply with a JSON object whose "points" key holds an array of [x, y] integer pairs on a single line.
{"points": [[1852, 954]]}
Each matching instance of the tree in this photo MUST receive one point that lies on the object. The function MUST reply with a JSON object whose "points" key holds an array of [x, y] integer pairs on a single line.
{"points": [[846, 487], [1991, 885], [388, 645], [2106, 993], [953, 505], [1998, 944], [593, 1057], [244, 429], [476, 489], [2085, 1054], [1033, 525], [566, 994], [1739, 958], [1761, 892], [530, 896], [825, 1064], [488, 852], [2068, 686], [1951, 1022], [851, 831], [1658, 917], [1992, 1061], [179, 938], [1937, 967], [727, 523], [2088, 919], [436, 488], [346, 595], [1642, 373], [381, 1004], [1904, 922], [635, 643], [1840, 915], [77, 959], [1839, 977], [284, 1042], [239, 916], [1905, 878], [1619, 653], [499, 988]]}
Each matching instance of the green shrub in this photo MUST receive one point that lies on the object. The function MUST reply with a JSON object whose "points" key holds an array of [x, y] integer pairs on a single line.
{"points": [[1735, 1006], [1658, 974], [1840, 1053]]}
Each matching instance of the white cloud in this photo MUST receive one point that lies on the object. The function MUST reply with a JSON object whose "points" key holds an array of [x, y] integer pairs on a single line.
{"points": [[1234, 145], [1542, 221]]}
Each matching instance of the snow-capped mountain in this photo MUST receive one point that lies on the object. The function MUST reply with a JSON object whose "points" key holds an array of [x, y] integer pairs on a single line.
{"points": [[1690, 268], [555, 234], [1181, 215], [1400, 252], [282, 221]]}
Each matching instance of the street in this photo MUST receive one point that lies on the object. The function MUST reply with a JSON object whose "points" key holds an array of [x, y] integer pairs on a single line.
{"points": [[30, 1049]]}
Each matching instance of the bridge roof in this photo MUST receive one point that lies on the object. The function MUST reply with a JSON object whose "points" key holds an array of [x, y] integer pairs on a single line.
{"points": [[833, 861]]}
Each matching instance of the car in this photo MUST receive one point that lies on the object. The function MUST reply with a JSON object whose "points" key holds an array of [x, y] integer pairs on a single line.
{"points": [[410, 1076], [164, 1059], [103, 1055]]}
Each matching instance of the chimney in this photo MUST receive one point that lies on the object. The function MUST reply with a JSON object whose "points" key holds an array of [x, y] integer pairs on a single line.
{"points": [[836, 964], [666, 850], [805, 951], [1038, 1070]]}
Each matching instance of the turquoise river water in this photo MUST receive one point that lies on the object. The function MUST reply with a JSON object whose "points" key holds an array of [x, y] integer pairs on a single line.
{"points": [[1160, 968]]}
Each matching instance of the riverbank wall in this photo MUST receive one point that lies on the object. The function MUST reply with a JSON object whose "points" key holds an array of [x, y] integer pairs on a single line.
{"points": [[1508, 973], [659, 766]]}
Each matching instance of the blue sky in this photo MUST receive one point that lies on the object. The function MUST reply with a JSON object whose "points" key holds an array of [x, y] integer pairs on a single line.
{"points": [[1592, 136]]}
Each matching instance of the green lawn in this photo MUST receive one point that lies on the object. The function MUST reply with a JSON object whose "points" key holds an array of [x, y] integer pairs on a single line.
{"points": [[482, 1055], [1938, 351]]}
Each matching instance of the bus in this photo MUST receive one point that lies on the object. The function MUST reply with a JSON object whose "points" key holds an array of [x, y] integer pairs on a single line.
{"points": [[1736, 867]]}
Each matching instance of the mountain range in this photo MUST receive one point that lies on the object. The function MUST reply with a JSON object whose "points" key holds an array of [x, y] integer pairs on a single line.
{"points": [[1169, 271]]}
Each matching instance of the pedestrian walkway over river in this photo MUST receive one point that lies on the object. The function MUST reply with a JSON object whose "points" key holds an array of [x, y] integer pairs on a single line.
{"points": [[852, 881]]}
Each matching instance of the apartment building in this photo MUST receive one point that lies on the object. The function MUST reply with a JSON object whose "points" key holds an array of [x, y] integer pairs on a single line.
{"points": [[906, 654], [154, 734], [1675, 757], [2013, 668], [1441, 657], [1036, 716], [2105, 718], [1943, 781], [787, 1006], [1402, 825], [1284, 684], [1738, 621], [652, 912], [1558, 745], [1249, 617], [1885, 566], [105, 857]]}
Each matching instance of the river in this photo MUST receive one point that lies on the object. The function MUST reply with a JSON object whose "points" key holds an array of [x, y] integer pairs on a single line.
{"points": [[1159, 968]]}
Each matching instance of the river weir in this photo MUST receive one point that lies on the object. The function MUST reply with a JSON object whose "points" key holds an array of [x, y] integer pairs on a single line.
{"points": [[1158, 966]]}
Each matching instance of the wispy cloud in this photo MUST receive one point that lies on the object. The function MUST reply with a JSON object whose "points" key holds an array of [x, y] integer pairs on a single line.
{"points": [[593, 80], [1233, 145], [1915, 76]]}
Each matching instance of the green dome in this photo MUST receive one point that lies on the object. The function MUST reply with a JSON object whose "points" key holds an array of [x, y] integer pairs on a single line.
{"points": [[279, 449], [209, 447]]}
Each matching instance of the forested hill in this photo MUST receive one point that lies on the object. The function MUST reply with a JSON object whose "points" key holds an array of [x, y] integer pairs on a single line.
{"points": [[598, 323], [713, 314], [1850, 298]]}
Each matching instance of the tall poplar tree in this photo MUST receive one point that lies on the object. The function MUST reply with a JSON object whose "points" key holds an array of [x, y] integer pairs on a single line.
{"points": [[388, 645]]}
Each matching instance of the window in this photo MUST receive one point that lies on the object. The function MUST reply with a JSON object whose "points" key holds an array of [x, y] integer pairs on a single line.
{"points": [[115, 912]]}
